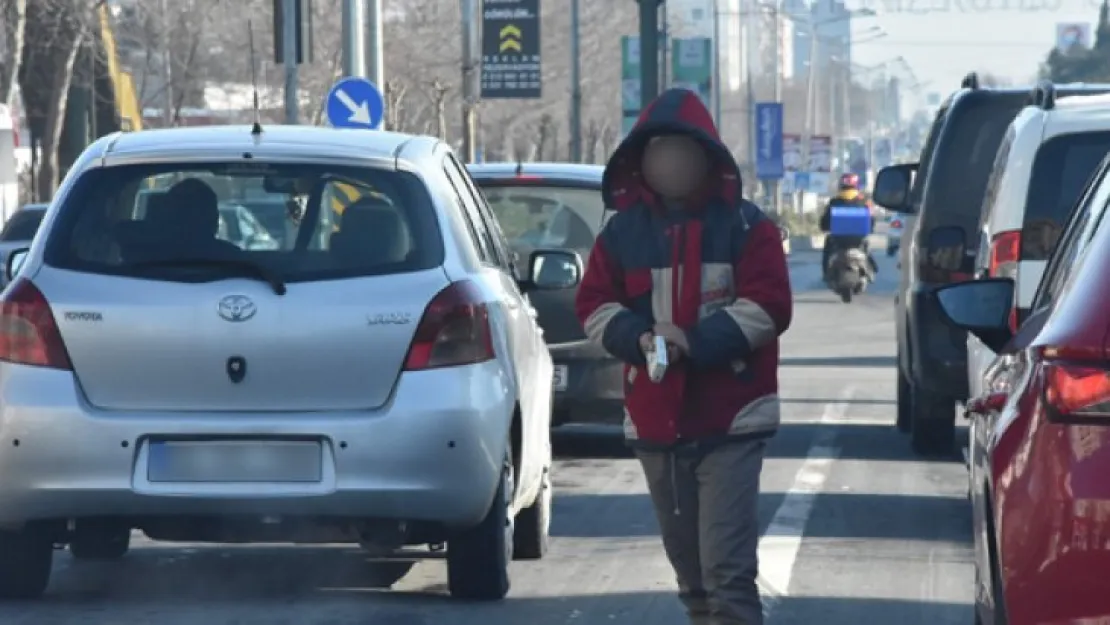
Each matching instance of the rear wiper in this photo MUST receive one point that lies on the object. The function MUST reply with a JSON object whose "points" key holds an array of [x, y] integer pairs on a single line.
{"points": [[251, 269]]}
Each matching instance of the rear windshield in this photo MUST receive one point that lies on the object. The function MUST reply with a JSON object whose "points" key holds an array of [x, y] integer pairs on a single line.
{"points": [[22, 226], [1061, 170], [963, 162], [189, 223], [546, 216]]}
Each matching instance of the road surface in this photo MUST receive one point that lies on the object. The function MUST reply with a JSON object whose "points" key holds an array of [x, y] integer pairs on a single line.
{"points": [[855, 529]]}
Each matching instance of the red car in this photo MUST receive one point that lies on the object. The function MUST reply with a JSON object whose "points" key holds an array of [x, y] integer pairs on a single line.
{"points": [[1039, 452]]}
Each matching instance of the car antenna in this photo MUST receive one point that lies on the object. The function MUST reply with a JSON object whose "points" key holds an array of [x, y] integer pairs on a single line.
{"points": [[519, 167], [256, 129]]}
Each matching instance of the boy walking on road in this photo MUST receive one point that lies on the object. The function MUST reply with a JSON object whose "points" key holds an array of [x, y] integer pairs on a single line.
{"points": [[687, 259]]}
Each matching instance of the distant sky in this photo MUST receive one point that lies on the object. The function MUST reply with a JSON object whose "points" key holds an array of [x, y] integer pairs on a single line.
{"points": [[955, 37]]}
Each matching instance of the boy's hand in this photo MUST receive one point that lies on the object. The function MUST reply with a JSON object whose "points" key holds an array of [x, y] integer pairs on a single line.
{"points": [[675, 338]]}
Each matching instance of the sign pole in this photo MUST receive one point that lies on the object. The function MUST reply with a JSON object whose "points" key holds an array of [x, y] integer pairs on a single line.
{"points": [[289, 37], [471, 62], [354, 43], [575, 85], [649, 51]]}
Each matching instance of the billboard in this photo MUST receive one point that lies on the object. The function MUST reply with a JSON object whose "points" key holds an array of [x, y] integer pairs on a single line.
{"points": [[511, 60], [1070, 35]]}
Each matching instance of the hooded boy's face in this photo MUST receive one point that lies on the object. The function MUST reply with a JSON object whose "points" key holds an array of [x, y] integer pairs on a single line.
{"points": [[675, 166]]}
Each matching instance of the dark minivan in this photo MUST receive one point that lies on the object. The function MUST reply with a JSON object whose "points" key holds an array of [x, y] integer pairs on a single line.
{"points": [[559, 205], [945, 191]]}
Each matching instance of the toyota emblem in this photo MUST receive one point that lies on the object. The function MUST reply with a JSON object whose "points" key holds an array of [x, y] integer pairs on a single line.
{"points": [[236, 308]]}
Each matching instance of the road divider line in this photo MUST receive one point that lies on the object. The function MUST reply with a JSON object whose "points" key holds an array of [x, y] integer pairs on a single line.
{"points": [[780, 544]]}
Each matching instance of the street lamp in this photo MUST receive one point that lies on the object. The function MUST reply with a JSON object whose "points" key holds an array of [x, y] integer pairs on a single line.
{"points": [[811, 77]]}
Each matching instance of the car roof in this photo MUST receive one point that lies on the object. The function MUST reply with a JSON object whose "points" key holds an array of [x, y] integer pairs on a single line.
{"points": [[275, 142], [555, 171]]}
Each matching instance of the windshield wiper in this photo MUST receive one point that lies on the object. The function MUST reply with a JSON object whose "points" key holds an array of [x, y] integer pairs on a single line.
{"points": [[249, 268]]}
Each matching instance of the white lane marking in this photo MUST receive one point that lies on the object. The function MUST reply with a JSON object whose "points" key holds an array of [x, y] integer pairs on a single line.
{"points": [[779, 545]]}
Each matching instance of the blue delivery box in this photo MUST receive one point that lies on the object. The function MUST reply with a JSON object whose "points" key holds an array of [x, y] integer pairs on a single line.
{"points": [[849, 220]]}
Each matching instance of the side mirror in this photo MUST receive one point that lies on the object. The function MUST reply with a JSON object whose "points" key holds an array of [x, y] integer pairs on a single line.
{"points": [[982, 307], [15, 262], [946, 248], [892, 187], [550, 270]]}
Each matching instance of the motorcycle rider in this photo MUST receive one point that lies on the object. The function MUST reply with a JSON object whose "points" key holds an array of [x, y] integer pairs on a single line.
{"points": [[846, 232]]}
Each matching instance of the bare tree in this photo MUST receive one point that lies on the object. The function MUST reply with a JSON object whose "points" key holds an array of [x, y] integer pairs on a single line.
{"points": [[13, 22]]}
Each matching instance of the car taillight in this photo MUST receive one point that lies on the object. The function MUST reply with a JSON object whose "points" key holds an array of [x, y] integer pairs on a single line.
{"points": [[1076, 384], [28, 333], [454, 330], [1005, 254], [897, 223]]}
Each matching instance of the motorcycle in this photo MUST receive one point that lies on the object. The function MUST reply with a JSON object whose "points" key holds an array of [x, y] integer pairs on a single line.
{"points": [[849, 272]]}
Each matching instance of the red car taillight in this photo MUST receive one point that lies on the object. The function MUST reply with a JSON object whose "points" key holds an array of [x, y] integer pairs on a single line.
{"points": [[454, 330], [897, 223], [1076, 384], [1005, 255], [28, 332]]}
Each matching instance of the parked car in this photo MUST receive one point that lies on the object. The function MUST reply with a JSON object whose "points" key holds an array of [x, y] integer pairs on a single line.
{"points": [[1038, 456], [895, 225], [558, 205], [1049, 153], [19, 231], [379, 384], [947, 191]]}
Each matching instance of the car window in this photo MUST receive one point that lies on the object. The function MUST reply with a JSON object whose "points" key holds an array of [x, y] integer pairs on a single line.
{"points": [[552, 216], [964, 160], [229, 226], [22, 226], [99, 230], [1076, 234], [990, 195], [1061, 170], [924, 165], [486, 245]]}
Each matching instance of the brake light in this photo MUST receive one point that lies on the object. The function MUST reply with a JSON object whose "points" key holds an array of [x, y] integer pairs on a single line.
{"points": [[28, 333], [896, 223], [1076, 384], [454, 330], [1005, 254]]}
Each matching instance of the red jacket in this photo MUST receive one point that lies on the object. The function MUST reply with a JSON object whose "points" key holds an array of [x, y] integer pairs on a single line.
{"points": [[716, 270]]}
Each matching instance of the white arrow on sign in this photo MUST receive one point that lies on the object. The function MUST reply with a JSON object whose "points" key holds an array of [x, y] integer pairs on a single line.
{"points": [[360, 113]]}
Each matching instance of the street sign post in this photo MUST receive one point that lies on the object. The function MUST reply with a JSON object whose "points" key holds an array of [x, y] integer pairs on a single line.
{"points": [[768, 132], [355, 102], [511, 59]]}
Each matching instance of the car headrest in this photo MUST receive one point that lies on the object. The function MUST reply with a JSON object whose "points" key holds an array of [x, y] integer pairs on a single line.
{"points": [[371, 233]]}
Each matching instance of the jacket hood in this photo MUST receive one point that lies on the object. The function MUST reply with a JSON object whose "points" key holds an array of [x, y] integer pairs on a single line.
{"points": [[675, 111]]}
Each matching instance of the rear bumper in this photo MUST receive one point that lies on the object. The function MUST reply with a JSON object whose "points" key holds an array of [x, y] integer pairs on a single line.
{"points": [[595, 386], [425, 456]]}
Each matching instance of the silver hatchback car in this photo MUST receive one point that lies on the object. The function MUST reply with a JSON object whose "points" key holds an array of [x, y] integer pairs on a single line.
{"points": [[379, 378]]}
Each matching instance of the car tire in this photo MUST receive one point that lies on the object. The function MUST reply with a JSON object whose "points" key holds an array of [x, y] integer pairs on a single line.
{"points": [[933, 423], [905, 402], [100, 543], [533, 524], [26, 561], [478, 558]]}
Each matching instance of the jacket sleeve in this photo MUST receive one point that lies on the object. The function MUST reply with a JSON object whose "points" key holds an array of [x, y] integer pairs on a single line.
{"points": [[762, 310], [604, 317]]}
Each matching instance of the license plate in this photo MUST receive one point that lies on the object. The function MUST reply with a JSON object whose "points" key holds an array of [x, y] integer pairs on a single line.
{"points": [[235, 461], [559, 383]]}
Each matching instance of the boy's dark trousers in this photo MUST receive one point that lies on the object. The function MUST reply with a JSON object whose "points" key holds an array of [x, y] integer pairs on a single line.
{"points": [[706, 500]]}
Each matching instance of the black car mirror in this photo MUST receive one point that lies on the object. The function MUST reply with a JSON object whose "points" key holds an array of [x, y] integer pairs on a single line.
{"points": [[946, 248], [982, 307], [15, 262], [550, 270], [892, 187]]}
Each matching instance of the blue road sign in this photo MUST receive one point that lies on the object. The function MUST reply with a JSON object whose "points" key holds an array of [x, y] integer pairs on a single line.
{"points": [[801, 181], [355, 102], [768, 132]]}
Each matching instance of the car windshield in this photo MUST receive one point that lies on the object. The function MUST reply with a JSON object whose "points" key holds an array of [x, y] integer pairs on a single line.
{"points": [[1060, 173], [548, 216], [22, 226], [171, 229]]}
